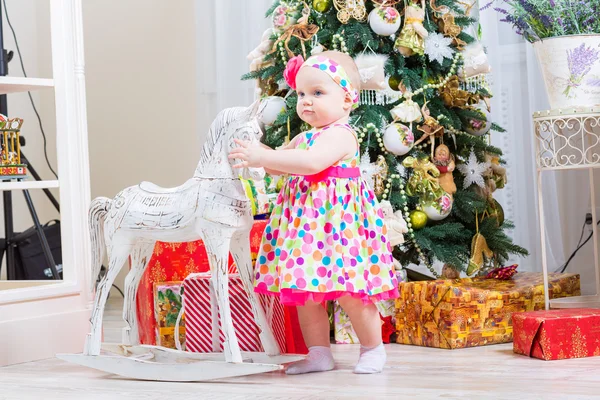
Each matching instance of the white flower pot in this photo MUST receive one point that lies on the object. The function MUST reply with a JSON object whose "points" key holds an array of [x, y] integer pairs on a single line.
{"points": [[571, 69]]}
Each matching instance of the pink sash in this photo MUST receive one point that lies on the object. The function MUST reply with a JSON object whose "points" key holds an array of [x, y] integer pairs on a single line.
{"points": [[334, 172]]}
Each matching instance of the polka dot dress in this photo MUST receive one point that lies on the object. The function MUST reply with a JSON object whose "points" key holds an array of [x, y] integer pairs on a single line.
{"points": [[326, 239]]}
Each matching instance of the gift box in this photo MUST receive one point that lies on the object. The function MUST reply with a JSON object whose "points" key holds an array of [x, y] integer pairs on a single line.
{"points": [[557, 334], [173, 262], [166, 309], [344, 333], [203, 328], [468, 312], [261, 198], [294, 341]]}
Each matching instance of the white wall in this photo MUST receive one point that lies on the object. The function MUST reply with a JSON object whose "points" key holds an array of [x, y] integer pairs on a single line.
{"points": [[143, 113], [142, 108]]}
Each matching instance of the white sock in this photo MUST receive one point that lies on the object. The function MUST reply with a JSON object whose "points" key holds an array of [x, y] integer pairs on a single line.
{"points": [[319, 359], [371, 360]]}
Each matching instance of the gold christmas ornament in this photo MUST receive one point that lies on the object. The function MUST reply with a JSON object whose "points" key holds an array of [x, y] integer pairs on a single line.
{"points": [[450, 29], [496, 211], [395, 83], [412, 36], [480, 254], [453, 96], [322, 6], [418, 219], [495, 177], [424, 180], [431, 128], [438, 11], [380, 177], [350, 9]]}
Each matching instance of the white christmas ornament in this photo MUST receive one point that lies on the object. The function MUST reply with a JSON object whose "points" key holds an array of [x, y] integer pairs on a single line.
{"points": [[407, 111], [438, 209], [401, 169], [395, 223], [398, 139], [371, 70], [283, 17], [476, 62], [270, 109], [479, 127], [257, 56], [368, 170], [437, 47], [473, 171], [385, 21]]}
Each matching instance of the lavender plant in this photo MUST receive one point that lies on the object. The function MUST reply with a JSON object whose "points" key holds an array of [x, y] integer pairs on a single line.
{"points": [[540, 19]]}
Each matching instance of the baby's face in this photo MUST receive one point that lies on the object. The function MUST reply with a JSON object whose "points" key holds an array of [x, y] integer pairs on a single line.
{"points": [[321, 101]]}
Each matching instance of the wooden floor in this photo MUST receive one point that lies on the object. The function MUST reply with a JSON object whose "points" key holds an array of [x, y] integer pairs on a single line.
{"points": [[491, 372]]}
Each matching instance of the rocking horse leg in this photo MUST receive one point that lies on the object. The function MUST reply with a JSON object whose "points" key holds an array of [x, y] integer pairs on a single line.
{"points": [[140, 256], [240, 249], [118, 255], [217, 247]]}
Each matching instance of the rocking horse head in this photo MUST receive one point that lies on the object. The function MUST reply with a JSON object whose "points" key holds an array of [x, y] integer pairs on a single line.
{"points": [[230, 124]]}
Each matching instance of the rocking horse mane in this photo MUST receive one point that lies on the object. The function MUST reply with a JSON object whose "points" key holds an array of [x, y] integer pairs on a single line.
{"points": [[216, 132]]}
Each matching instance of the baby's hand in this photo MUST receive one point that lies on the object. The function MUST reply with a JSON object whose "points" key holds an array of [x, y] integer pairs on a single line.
{"points": [[250, 154]]}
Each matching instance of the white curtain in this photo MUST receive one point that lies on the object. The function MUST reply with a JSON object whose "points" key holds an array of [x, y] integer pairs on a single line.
{"points": [[228, 30], [518, 93]]}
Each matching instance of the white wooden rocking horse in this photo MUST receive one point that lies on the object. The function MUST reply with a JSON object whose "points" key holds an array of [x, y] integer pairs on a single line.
{"points": [[211, 206]]}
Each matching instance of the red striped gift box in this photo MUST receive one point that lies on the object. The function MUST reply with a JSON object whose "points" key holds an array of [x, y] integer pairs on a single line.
{"points": [[202, 321]]}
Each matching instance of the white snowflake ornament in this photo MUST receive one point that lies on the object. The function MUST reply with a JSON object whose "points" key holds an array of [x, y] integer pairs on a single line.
{"points": [[473, 171], [437, 47], [401, 169], [368, 170]]}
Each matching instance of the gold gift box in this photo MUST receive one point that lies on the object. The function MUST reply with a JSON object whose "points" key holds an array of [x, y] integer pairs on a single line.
{"points": [[453, 314]]}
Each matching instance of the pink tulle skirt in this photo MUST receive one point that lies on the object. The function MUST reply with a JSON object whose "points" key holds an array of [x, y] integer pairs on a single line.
{"points": [[297, 297]]}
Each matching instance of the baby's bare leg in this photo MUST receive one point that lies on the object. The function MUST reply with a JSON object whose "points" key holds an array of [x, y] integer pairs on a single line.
{"points": [[314, 323], [365, 320], [367, 325]]}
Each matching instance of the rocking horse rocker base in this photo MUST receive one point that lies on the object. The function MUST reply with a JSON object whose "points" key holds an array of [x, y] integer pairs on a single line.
{"points": [[211, 206], [155, 363]]}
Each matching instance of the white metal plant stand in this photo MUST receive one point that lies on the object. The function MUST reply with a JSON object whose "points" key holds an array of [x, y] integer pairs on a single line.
{"points": [[568, 139]]}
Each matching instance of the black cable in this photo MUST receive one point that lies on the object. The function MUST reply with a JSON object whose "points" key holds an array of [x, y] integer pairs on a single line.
{"points": [[120, 291], [566, 264], [29, 93]]}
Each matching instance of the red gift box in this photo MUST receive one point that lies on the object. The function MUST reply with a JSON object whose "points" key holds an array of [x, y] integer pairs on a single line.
{"points": [[173, 262], [557, 334], [202, 319]]}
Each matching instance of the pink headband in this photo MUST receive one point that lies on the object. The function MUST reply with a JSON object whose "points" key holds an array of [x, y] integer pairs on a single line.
{"points": [[327, 65]]}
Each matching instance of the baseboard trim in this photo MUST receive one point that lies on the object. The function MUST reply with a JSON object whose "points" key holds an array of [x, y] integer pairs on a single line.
{"points": [[43, 337]]}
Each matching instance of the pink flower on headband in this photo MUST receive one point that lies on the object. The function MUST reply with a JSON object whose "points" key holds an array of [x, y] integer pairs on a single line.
{"points": [[291, 70]]}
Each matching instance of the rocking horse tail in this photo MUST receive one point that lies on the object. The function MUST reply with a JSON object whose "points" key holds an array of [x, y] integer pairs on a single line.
{"points": [[96, 217]]}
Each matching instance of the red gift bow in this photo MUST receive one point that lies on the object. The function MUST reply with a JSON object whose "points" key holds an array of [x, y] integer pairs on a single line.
{"points": [[503, 273]]}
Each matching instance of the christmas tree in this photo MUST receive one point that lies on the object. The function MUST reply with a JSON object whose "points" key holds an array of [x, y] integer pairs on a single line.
{"points": [[423, 122]]}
